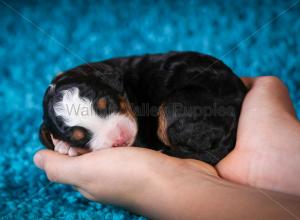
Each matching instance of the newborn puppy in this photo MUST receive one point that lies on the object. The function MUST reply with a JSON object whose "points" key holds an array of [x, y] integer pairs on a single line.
{"points": [[85, 107], [185, 104]]}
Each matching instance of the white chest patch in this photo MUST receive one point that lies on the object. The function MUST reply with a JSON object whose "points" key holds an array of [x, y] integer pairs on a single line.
{"points": [[79, 111]]}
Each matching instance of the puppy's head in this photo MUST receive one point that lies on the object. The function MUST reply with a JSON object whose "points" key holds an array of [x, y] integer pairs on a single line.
{"points": [[86, 108]]}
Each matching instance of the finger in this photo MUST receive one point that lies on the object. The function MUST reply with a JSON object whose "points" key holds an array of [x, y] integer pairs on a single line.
{"points": [[59, 168], [72, 152], [60, 146], [248, 81], [271, 94]]}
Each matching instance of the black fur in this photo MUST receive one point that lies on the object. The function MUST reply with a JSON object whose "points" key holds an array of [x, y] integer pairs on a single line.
{"points": [[201, 96]]}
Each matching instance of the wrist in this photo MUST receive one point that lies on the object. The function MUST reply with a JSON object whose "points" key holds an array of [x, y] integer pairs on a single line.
{"points": [[164, 182], [153, 182]]}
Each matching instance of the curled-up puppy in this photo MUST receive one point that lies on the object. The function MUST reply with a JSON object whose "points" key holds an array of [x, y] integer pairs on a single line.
{"points": [[185, 104]]}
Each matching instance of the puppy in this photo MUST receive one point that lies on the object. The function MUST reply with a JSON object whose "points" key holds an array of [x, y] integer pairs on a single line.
{"points": [[185, 104]]}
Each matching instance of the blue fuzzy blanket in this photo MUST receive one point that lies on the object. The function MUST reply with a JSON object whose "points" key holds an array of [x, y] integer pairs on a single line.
{"points": [[41, 38]]}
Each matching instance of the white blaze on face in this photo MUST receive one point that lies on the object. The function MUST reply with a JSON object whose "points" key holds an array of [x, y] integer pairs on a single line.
{"points": [[106, 131]]}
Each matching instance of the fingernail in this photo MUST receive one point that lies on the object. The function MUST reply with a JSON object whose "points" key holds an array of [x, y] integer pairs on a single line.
{"points": [[38, 160]]}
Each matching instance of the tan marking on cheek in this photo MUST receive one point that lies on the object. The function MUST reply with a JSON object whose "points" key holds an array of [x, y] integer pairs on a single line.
{"points": [[101, 103], [125, 108], [162, 127], [77, 135]]}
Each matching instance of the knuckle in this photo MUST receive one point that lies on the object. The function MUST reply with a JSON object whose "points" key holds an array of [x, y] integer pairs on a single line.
{"points": [[272, 81]]}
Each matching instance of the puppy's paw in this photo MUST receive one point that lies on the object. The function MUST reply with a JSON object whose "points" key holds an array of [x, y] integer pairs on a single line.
{"points": [[60, 146], [72, 152]]}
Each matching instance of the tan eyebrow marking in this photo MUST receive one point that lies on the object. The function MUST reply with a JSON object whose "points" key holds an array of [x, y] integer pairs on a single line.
{"points": [[78, 134], [101, 103]]}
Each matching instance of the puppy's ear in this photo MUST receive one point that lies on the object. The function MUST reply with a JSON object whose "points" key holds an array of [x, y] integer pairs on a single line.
{"points": [[45, 137]]}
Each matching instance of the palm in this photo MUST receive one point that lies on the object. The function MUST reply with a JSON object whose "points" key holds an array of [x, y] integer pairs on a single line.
{"points": [[265, 139]]}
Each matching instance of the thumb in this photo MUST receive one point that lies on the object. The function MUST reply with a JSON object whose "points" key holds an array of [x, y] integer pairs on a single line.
{"points": [[58, 167]]}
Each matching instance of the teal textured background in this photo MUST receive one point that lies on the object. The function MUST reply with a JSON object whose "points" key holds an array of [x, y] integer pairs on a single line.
{"points": [[41, 38]]}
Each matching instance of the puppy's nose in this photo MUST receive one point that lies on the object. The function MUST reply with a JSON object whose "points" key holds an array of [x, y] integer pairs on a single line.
{"points": [[121, 141]]}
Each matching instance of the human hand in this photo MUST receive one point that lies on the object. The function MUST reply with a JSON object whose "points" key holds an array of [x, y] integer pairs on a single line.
{"points": [[160, 187], [115, 175], [267, 151]]}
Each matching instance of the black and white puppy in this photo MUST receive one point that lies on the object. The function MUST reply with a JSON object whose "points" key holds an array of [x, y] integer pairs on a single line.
{"points": [[186, 104]]}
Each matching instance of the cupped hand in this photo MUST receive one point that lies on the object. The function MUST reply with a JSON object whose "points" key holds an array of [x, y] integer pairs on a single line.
{"points": [[115, 175], [267, 152], [160, 187]]}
